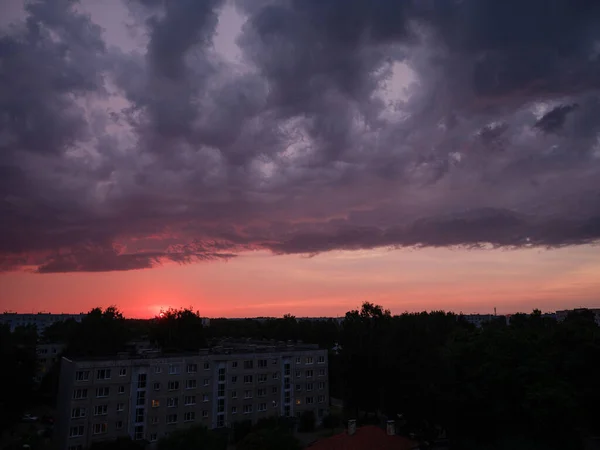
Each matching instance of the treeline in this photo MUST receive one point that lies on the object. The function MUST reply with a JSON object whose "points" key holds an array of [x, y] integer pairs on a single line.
{"points": [[530, 384]]}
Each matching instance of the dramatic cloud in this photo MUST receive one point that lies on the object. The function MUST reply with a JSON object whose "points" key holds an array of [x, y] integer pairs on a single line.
{"points": [[347, 124]]}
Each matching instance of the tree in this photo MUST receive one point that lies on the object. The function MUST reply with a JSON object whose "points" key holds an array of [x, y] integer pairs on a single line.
{"points": [[121, 443], [193, 438], [307, 421], [178, 330], [100, 333], [269, 439], [17, 353]]}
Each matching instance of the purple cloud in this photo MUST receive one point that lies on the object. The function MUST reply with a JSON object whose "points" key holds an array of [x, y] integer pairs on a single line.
{"points": [[116, 159]]}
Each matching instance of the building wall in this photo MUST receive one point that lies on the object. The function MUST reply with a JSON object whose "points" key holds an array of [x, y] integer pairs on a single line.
{"points": [[215, 390], [40, 320]]}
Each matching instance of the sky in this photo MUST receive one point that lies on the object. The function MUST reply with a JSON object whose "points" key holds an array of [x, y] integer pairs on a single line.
{"points": [[263, 157]]}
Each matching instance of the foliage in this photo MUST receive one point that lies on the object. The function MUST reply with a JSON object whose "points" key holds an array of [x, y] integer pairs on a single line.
{"points": [[331, 421], [307, 421], [178, 330], [121, 443], [193, 438], [17, 353], [100, 333], [269, 439]]}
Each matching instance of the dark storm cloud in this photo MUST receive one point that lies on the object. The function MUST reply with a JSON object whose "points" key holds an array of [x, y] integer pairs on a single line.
{"points": [[554, 120], [112, 160]]}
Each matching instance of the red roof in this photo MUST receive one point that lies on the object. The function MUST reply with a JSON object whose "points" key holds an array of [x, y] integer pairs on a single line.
{"points": [[368, 437]]}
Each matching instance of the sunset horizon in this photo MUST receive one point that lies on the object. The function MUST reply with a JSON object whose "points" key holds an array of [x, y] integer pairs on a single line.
{"points": [[252, 158]]}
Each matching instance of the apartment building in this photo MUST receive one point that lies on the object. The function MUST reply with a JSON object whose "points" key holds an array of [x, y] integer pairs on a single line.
{"points": [[40, 320], [47, 356], [147, 396]]}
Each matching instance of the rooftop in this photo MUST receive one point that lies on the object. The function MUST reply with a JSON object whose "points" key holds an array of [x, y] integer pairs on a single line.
{"points": [[368, 437]]}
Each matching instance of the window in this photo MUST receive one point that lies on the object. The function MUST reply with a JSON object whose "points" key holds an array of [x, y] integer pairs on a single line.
{"points": [[141, 398], [118, 424], [286, 370], [155, 420], [157, 369], [155, 403], [309, 360], [221, 405], [82, 375], [298, 360], [274, 390], [138, 432], [321, 398], [77, 413], [206, 366], [173, 385], [248, 364], [262, 363], [234, 379], [100, 428], [101, 410], [204, 414], [262, 378], [205, 397], [157, 386], [234, 410], [120, 406], [206, 381], [309, 386], [275, 375], [76, 431], [321, 360], [221, 375], [321, 372], [286, 384], [189, 400], [189, 416], [173, 369], [233, 394], [262, 407], [190, 384], [153, 437], [274, 361], [221, 390], [321, 385], [121, 389], [234, 364], [247, 409], [192, 368], [247, 378], [298, 373], [298, 387], [248, 394], [261, 392], [79, 394], [172, 418], [172, 402], [102, 392], [139, 415], [286, 397], [141, 381], [309, 400], [103, 374], [309, 374], [123, 371], [220, 421]]}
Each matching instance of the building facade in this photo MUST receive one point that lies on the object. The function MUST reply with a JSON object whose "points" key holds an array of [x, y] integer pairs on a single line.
{"points": [[148, 396], [40, 320]]}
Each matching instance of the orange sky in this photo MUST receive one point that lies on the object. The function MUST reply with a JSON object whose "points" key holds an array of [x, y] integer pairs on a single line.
{"points": [[327, 285]]}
